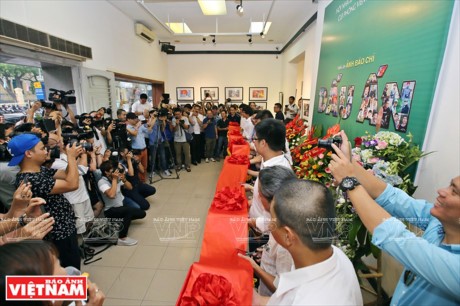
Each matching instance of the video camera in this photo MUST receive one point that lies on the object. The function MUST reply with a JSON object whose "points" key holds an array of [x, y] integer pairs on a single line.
{"points": [[61, 96]]}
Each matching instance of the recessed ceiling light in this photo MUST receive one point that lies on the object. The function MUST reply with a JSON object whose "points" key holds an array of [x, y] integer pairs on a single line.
{"points": [[177, 41], [271, 40], [179, 27], [256, 27], [213, 7]]}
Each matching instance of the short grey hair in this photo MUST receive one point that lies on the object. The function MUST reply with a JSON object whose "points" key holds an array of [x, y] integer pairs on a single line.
{"points": [[272, 178]]}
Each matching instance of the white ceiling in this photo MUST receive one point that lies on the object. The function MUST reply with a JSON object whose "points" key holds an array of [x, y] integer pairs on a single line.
{"points": [[287, 17]]}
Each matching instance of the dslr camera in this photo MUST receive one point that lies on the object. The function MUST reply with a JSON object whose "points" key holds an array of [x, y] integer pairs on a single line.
{"points": [[72, 138], [327, 143]]}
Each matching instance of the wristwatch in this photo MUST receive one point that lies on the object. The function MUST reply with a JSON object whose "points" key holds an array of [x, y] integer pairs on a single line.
{"points": [[349, 183]]}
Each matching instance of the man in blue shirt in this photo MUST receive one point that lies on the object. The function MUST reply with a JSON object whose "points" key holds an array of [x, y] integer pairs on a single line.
{"points": [[210, 134], [432, 262], [138, 131], [157, 141]]}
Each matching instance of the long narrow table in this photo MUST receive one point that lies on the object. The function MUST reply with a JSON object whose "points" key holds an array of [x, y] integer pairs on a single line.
{"points": [[224, 233]]}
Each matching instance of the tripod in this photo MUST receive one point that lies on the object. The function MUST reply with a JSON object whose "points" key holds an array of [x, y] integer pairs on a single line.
{"points": [[161, 134]]}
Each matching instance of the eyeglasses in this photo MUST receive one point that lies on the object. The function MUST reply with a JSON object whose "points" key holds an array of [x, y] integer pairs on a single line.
{"points": [[409, 277]]}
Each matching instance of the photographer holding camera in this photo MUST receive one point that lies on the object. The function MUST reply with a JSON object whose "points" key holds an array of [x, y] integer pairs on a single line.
{"points": [[140, 190], [30, 154], [179, 124], [116, 205], [138, 130], [432, 262], [157, 142], [79, 198]]}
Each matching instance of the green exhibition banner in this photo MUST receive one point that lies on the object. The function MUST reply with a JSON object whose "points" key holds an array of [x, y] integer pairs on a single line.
{"points": [[379, 65]]}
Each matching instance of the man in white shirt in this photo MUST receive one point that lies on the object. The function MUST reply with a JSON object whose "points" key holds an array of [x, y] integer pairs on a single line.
{"points": [[246, 124], [323, 274], [291, 110], [196, 121], [269, 141], [274, 259], [79, 198], [141, 108]]}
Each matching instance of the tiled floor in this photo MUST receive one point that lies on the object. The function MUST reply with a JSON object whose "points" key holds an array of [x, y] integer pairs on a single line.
{"points": [[152, 272]]}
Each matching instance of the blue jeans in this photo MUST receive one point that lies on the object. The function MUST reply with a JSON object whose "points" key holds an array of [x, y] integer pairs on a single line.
{"points": [[128, 202], [222, 143], [160, 149], [136, 196]]}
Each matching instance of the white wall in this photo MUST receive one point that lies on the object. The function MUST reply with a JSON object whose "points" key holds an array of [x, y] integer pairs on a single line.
{"points": [[96, 24], [225, 70], [443, 133]]}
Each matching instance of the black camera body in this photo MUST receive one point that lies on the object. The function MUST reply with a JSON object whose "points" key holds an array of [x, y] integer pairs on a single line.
{"points": [[327, 143], [54, 152], [61, 96], [72, 138]]}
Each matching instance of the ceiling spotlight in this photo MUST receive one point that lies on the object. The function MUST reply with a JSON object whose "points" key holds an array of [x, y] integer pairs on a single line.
{"points": [[239, 7], [204, 39], [250, 39], [262, 34], [213, 39]]}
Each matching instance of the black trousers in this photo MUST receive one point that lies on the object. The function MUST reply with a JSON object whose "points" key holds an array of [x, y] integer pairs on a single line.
{"points": [[195, 148], [127, 214], [69, 251], [202, 145]]}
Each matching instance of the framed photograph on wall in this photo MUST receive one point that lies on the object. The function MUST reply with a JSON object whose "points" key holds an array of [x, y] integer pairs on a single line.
{"points": [[185, 94], [212, 91], [261, 105], [234, 93], [281, 99], [305, 108], [258, 93]]}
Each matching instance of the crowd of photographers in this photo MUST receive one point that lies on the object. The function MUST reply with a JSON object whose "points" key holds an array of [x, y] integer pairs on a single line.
{"points": [[59, 171], [98, 162]]}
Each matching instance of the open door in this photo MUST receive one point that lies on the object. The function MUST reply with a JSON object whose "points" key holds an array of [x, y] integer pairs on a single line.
{"points": [[97, 89]]}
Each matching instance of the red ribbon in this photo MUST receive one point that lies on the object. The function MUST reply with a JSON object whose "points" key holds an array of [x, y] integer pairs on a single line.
{"points": [[210, 289], [239, 159], [228, 199], [234, 132], [238, 141]]}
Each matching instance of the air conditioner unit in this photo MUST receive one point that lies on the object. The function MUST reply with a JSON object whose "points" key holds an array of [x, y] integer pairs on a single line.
{"points": [[144, 32]]}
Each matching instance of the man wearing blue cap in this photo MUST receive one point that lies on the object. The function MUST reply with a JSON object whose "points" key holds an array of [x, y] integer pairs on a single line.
{"points": [[30, 153]]}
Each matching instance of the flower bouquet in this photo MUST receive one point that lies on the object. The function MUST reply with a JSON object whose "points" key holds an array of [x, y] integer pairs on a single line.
{"points": [[388, 156]]}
